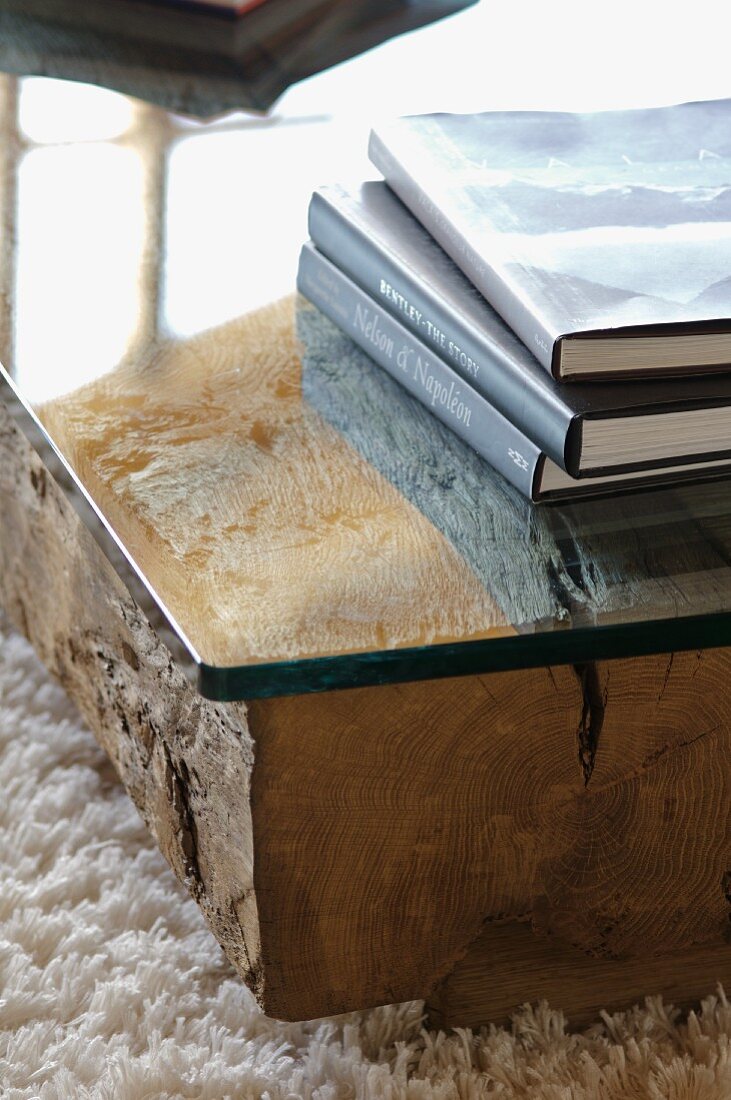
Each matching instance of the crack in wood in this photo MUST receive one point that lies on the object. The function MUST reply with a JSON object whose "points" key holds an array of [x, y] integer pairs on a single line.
{"points": [[726, 887], [629, 777], [254, 968], [130, 656], [179, 800], [592, 717], [653, 757], [666, 681], [572, 563], [559, 592], [38, 481], [486, 689]]}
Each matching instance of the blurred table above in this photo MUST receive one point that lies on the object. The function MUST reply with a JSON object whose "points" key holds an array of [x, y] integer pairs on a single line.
{"points": [[196, 61]]}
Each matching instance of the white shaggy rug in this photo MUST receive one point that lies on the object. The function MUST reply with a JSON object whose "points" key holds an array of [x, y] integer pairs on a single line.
{"points": [[112, 988]]}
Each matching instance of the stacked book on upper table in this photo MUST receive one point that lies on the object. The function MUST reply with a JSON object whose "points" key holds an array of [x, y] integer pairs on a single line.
{"points": [[555, 287]]}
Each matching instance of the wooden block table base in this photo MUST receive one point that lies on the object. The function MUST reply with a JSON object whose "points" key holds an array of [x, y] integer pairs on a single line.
{"points": [[476, 842]]}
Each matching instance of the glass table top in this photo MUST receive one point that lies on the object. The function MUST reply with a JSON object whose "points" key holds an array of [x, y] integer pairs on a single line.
{"points": [[301, 522]]}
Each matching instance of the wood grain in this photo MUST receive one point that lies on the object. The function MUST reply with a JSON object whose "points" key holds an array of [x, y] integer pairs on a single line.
{"points": [[261, 530], [593, 802], [508, 966]]}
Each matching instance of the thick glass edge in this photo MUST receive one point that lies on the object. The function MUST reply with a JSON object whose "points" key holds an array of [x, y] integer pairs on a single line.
{"points": [[572, 646]]}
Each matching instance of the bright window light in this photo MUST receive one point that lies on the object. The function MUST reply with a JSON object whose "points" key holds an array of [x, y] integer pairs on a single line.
{"points": [[237, 215], [80, 240], [55, 111]]}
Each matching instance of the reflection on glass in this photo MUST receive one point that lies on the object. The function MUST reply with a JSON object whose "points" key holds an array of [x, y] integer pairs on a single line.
{"points": [[488, 522], [654, 553], [51, 111], [80, 238], [237, 214]]}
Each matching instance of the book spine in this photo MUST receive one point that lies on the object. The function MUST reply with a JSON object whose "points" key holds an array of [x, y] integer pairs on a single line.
{"points": [[423, 311], [536, 337], [431, 381]]}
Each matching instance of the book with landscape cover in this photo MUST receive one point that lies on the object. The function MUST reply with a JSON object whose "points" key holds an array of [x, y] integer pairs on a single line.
{"points": [[437, 385], [603, 240], [587, 429]]}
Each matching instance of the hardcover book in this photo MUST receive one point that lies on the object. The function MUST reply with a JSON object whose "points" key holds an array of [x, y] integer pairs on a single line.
{"points": [[603, 240], [436, 384], [587, 429]]}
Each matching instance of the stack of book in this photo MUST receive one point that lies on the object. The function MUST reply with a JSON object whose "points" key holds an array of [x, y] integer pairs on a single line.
{"points": [[556, 288]]}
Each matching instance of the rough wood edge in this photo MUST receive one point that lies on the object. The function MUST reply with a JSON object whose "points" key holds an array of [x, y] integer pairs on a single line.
{"points": [[185, 762]]}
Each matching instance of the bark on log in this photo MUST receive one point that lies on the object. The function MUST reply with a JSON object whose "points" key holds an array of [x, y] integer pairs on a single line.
{"points": [[185, 762], [349, 847]]}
